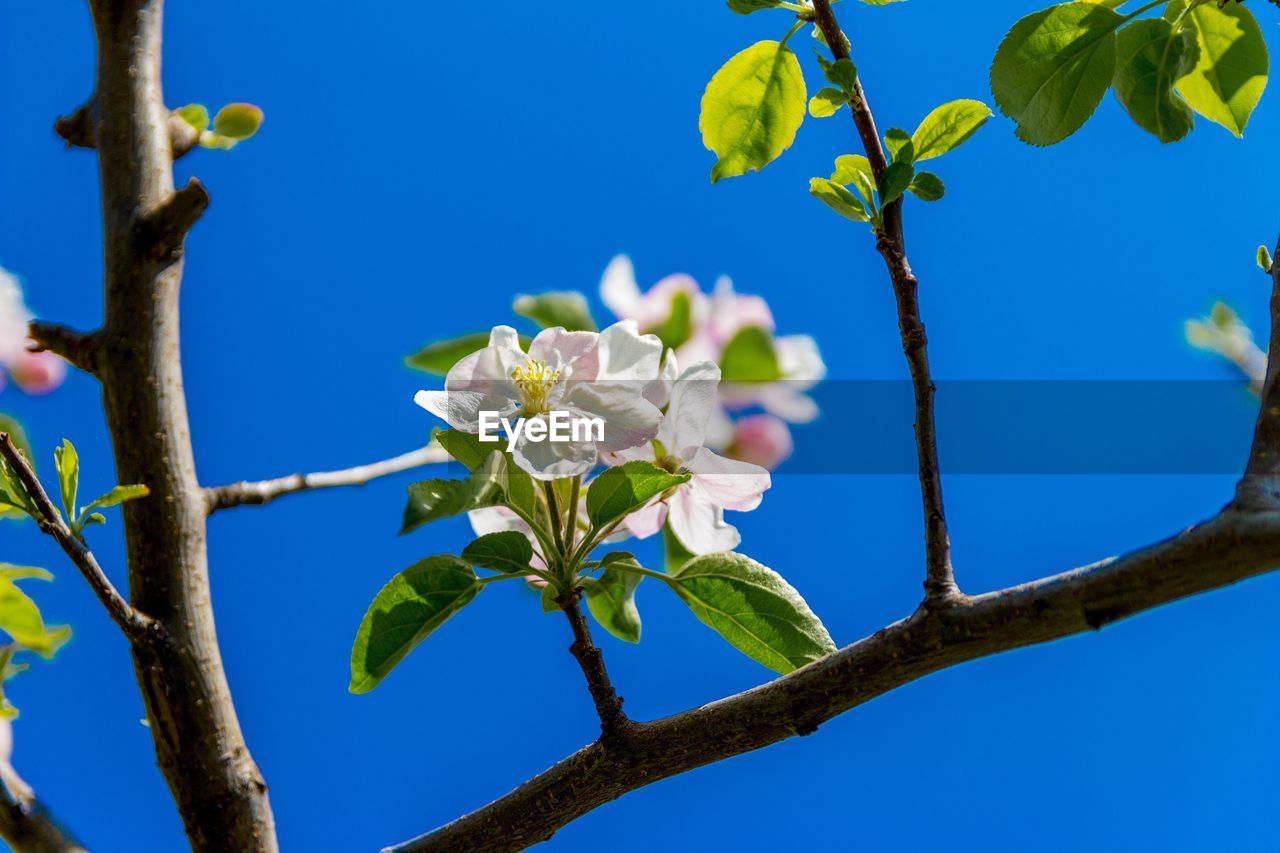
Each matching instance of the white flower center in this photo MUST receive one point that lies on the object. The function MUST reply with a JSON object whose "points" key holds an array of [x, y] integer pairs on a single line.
{"points": [[535, 381]]}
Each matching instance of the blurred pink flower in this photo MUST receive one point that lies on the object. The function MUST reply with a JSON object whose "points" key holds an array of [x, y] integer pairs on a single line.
{"points": [[35, 373], [761, 440]]}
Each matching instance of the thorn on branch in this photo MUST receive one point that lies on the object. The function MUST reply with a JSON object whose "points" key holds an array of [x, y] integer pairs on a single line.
{"points": [[162, 232], [79, 348]]}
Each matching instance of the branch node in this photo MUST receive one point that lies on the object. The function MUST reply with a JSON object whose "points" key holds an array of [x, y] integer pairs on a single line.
{"points": [[79, 348], [162, 232], [80, 129]]}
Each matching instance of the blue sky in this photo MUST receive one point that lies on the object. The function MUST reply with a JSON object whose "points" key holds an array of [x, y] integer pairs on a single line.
{"points": [[418, 167]]}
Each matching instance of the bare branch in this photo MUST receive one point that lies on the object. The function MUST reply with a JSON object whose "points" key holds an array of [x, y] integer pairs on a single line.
{"points": [[79, 130], [614, 724], [79, 348], [1260, 488], [1229, 548], [265, 491], [940, 585], [133, 623], [31, 829]]}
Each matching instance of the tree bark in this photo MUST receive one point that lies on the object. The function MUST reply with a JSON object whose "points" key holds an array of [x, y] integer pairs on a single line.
{"points": [[219, 792]]}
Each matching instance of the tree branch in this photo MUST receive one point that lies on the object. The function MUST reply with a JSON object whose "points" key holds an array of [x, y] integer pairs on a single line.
{"points": [[1260, 488], [79, 348], [1231, 547], [80, 130], [265, 491], [614, 724], [133, 623], [30, 828], [940, 585]]}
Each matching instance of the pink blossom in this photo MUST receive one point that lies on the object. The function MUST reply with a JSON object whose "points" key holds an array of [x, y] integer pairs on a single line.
{"points": [[761, 440]]}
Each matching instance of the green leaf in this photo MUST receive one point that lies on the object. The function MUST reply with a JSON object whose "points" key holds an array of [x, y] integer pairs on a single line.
{"points": [[752, 607], [1231, 69], [746, 7], [195, 115], [1150, 57], [611, 597], [624, 489], [92, 518], [117, 496], [752, 108], [438, 357], [675, 555], [67, 463], [676, 330], [947, 127], [894, 181], [12, 572], [750, 357], [1053, 68], [465, 447], [432, 500], [1264, 258], [838, 199], [20, 617], [926, 186], [506, 551], [566, 308], [842, 73], [237, 121], [547, 596], [855, 169], [900, 147], [827, 102], [405, 612]]}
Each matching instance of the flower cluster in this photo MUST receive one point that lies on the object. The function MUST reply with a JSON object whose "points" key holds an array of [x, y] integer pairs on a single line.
{"points": [[735, 331], [33, 372]]}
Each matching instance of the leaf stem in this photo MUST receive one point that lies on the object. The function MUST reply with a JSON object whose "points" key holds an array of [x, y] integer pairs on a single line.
{"points": [[553, 514]]}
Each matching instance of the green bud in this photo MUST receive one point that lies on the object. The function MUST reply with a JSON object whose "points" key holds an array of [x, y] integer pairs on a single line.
{"points": [[195, 115], [237, 121]]}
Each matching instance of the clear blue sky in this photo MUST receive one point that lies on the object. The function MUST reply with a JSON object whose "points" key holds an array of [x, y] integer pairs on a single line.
{"points": [[418, 166]]}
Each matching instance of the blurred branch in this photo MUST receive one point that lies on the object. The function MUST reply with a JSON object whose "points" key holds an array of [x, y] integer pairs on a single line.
{"points": [[940, 585], [265, 491], [80, 129], [132, 622], [79, 348], [30, 829]]}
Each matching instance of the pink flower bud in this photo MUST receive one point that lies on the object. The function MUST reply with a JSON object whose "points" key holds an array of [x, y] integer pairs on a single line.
{"points": [[761, 440], [37, 372]]}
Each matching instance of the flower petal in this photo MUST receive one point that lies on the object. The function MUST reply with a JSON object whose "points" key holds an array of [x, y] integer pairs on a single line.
{"points": [[553, 460], [461, 409], [647, 520], [699, 524], [573, 353], [693, 403], [727, 482], [619, 290], [626, 354], [629, 419]]}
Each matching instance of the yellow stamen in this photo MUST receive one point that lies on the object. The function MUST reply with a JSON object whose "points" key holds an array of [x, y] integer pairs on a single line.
{"points": [[535, 380]]}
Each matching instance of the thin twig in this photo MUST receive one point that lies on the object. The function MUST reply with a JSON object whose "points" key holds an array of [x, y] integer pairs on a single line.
{"points": [[613, 720], [940, 585], [265, 491], [1260, 488], [134, 623], [30, 828]]}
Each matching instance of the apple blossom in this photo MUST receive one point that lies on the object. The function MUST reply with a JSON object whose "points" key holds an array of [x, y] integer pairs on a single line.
{"points": [[35, 373], [762, 440], [584, 374]]}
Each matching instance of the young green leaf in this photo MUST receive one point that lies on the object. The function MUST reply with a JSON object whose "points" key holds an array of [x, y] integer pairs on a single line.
{"points": [[436, 358], [894, 181], [827, 102], [1052, 69], [611, 597], [237, 121], [117, 496], [67, 463], [752, 607], [855, 170], [676, 330], [505, 551], [624, 489], [1231, 69], [838, 199], [841, 73], [1264, 258], [752, 108], [566, 308], [195, 115], [899, 146], [20, 617], [675, 555], [405, 612], [746, 7], [947, 127], [1150, 57], [926, 186], [431, 500], [750, 356]]}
